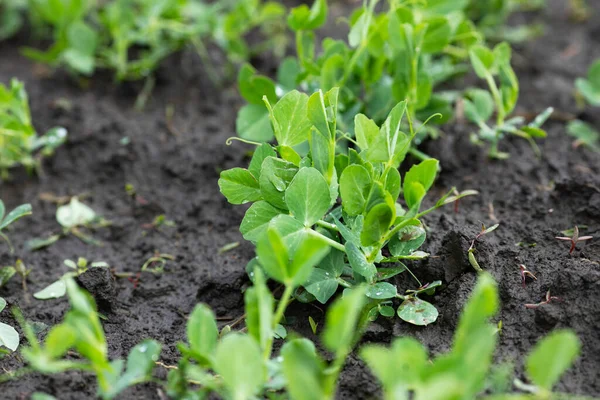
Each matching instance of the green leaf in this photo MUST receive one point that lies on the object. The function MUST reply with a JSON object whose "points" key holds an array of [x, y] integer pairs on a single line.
{"points": [[437, 35], [5, 274], [307, 197], [309, 253], [9, 337], [254, 86], [322, 112], [585, 134], [275, 177], [202, 331], [273, 255], [366, 131], [238, 360], [355, 185], [52, 291], [257, 219], [19, 212], [482, 60], [289, 118], [551, 357], [303, 18], [377, 222], [322, 284], [382, 290], [342, 322], [303, 369], [253, 123], [140, 364], [2, 304], [263, 151], [239, 186], [392, 183], [407, 241], [422, 174], [358, 261], [417, 312], [481, 106], [2, 210], [75, 214], [259, 310], [391, 145]]}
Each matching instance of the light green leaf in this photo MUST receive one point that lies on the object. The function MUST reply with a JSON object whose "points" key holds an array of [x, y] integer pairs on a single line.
{"points": [[75, 214], [303, 18], [202, 331], [252, 123], [481, 106], [482, 60], [342, 320], [19, 212], [358, 261], [257, 219], [366, 131], [259, 310], [382, 290], [407, 241], [5, 274], [238, 360], [140, 364], [307, 197], [273, 255], [551, 357], [303, 370], [377, 222], [437, 35], [263, 151], [321, 284], [52, 291], [355, 185], [275, 176], [310, 252], [239, 186], [289, 118], [422, 174], [9, 337]]}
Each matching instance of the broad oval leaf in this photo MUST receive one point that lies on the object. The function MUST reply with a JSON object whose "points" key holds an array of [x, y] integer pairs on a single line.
{"points": [[19, 212], [74, 214], [551, 357], [238, 359], [377, 222], [303, 370], [321, 284], [358, 261], [275, 177], [52, 291], [253, 123], [307, 196], [9, 337], [239, 186], [407, 240], [355, 185], [382, 290], [290, 120], [256, 220], [341, 322], [417, 312], [202, 331]]}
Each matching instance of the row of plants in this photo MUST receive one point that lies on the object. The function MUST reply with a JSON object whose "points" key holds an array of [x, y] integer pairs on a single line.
{"points": [[326, 214]]}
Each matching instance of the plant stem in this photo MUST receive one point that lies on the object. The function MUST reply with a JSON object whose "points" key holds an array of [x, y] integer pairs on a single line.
{"points": [[332, 243], [327, 225]]}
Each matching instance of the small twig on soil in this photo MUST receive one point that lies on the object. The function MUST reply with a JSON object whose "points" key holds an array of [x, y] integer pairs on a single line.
{"points": [[574, 239], [548, 300]]}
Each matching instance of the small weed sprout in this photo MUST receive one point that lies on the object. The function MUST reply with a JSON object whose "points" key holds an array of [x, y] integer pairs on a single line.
{"points": [[59, 288], [524, 274], [548, 299], [6, 220], [471, 251], [574, 239]]}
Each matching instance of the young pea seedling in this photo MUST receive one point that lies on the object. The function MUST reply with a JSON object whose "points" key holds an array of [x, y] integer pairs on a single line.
{"points": [[471, 251], [58, 288], [574, 239]]}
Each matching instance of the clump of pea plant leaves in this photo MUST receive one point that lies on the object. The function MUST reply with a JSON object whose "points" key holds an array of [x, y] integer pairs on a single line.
{"points": [[401, 53], [467, 370], [310, 186], [82, 332], [20, 145], [493, 65], [588, 91], [9, 337], [7, 219]]}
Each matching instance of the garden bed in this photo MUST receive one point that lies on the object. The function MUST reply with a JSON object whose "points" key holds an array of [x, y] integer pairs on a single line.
{"points": [[174, 163]]}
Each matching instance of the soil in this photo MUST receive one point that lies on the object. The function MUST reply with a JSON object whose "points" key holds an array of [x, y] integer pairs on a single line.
{"points": [[174, 166]]}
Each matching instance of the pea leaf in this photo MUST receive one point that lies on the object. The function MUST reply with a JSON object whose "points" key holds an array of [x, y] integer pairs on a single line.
{"points": [[259, 310], [590, 87], [239, 186], [303, 18], [407, 241], [418, 180], [342, 322], [256, 220], [253, 123], [381, 291], [377, 222], [19, 212], [482, 60], [355, 185], [480, 107], [202, 331], [303, 369], [358, 261], [307, 196], [238, 360], [289, 119], [74, 214], [254, 86], [551, 357], [52, 291], [322, 284], [275, 177], [9, 337]]}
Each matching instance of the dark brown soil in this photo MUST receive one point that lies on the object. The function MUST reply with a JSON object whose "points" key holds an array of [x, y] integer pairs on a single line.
{"points": [[175, 168]]}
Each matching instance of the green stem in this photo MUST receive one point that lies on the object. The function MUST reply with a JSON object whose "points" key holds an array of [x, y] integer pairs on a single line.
{"points": [[327, 225], [330, 242], [344, 283], [418, 154], [283, 303]]}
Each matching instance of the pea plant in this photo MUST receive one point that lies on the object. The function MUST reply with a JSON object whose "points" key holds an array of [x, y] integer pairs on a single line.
{"points": [[295, 186], [589, 87], [19, 142], [11, 18], [8, 219], [467, 370], [390, 56], [74, 218], [588, 91], [493, 65], [82, 332], [132, 37]]}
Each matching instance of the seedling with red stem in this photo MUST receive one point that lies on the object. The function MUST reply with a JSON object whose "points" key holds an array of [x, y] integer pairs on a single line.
{"points": [[524, 274], [548, 300], [471, 251], [574, 239]]}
